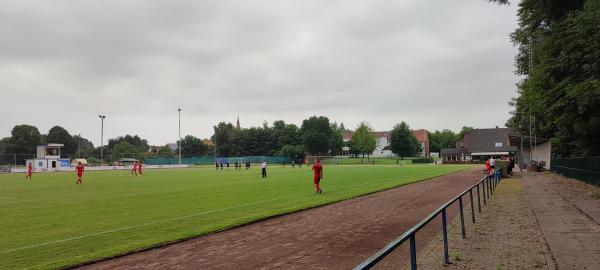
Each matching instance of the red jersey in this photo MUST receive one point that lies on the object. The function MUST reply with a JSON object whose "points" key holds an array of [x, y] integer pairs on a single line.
{"points": [[29, 168], [79, 169], [317, 168]]}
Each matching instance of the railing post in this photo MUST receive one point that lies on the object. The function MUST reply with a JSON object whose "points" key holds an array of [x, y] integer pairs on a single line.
{"points": [[472, 206], [484, 190], [489, 188], [478, 199], [462, 217], [445, 233], [413, 252]]}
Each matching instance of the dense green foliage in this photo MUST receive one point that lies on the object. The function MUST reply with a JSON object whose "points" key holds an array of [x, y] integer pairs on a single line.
{"points": [[123, 149], [50, 222], [58, 134], [316, 135], [560, 96], [404, 143], [84, 146], [442, 139], [464, 130], [363, 142], [192, 146], [337, 139], [423, 160]]}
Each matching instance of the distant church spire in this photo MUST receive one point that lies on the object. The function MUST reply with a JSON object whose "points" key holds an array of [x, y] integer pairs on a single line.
{"points": [[237, 125]]}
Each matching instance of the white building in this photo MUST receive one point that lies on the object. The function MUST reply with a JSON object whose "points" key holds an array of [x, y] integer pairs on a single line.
{"points": [[383, 140], [48, 158]]}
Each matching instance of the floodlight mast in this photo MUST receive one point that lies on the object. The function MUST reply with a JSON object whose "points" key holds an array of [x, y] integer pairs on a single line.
{"points": [[179, 142], [101, 137]]}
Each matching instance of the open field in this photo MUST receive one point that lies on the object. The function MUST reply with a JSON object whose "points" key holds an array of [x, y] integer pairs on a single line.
{"points": [[50, 222]]}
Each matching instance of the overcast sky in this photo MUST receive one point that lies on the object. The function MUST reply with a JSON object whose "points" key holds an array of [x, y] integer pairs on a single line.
{"points": [[433, 64]]}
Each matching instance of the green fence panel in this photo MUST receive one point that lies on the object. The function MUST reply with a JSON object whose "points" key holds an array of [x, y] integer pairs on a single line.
{"points": [[212, 160], [584, 169]]}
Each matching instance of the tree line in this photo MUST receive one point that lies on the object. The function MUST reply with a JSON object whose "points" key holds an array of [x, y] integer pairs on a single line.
{"points": [[445, 138], [317, 135], [24, 140], [558, 42]]}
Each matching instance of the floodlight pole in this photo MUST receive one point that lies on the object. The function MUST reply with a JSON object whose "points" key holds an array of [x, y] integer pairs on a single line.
{"points": [[179, 142], [79, 146], [101, 137]]}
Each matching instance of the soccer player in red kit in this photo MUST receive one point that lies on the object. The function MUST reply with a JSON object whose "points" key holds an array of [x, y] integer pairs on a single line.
{"points": [[29, 171], [79, 171], [134, 169], [318, 175], [140, 168]]}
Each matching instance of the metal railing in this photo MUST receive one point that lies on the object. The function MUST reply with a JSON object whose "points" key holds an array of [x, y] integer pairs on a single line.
{"points": [[488, 185]]}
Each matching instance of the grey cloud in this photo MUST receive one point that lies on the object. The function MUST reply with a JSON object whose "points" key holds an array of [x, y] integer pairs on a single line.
{"points": [[433, 64]]}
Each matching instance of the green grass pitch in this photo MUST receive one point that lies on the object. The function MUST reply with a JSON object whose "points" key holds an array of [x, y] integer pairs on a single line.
{"points": [[50, 222]]}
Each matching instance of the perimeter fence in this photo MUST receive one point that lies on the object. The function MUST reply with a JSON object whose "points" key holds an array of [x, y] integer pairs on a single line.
{"points": [[484, 187], [586, 169], [208, 160]]}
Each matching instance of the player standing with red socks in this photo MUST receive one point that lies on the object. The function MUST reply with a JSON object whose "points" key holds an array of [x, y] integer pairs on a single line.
{"points": [[318, 175]]}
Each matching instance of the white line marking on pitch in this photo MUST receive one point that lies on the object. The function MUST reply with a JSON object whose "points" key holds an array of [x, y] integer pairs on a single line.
{"points": [[172, 219]]}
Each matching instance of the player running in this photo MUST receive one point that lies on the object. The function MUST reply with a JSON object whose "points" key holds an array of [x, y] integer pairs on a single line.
{"points": [[29, 171], [139, 168], [79, 171], [318, 175], [134, 169]]}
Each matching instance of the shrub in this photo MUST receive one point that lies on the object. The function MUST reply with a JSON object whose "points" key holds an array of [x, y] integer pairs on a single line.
{"points": [[423, 160]]}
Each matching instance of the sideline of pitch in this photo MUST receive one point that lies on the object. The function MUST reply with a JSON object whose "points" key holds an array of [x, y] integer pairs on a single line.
{"points": [[220, 210]]}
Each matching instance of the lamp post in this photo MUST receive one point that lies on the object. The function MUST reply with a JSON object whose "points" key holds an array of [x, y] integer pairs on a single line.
{"points": [[101, 137], [79, 146], [179, 142]]}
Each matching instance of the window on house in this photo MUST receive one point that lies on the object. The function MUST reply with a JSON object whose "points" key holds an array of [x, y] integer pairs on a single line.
{"points": [[498, 144]]}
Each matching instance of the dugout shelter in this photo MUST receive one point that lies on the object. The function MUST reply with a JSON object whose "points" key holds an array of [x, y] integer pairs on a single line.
{"points": [[48, 158]]}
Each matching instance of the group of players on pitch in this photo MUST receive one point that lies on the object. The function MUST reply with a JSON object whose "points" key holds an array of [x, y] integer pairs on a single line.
{"points": [[136, 170], [317, 169]]}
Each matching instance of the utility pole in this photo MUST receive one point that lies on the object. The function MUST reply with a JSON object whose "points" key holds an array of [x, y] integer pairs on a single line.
{"points": [[101, 138], [79, 146], [179, 142]]}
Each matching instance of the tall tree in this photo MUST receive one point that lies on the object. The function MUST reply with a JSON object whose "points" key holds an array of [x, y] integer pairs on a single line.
{"points": [[192, 146], [165, 151], [404, 143], [337, 139], [24, 140], [140, 144], [223, 138], [316, 135], [286, 134], [441, 139], [559, 97], [363, 141], [464, 130], [57, 134], [124, 149]]}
